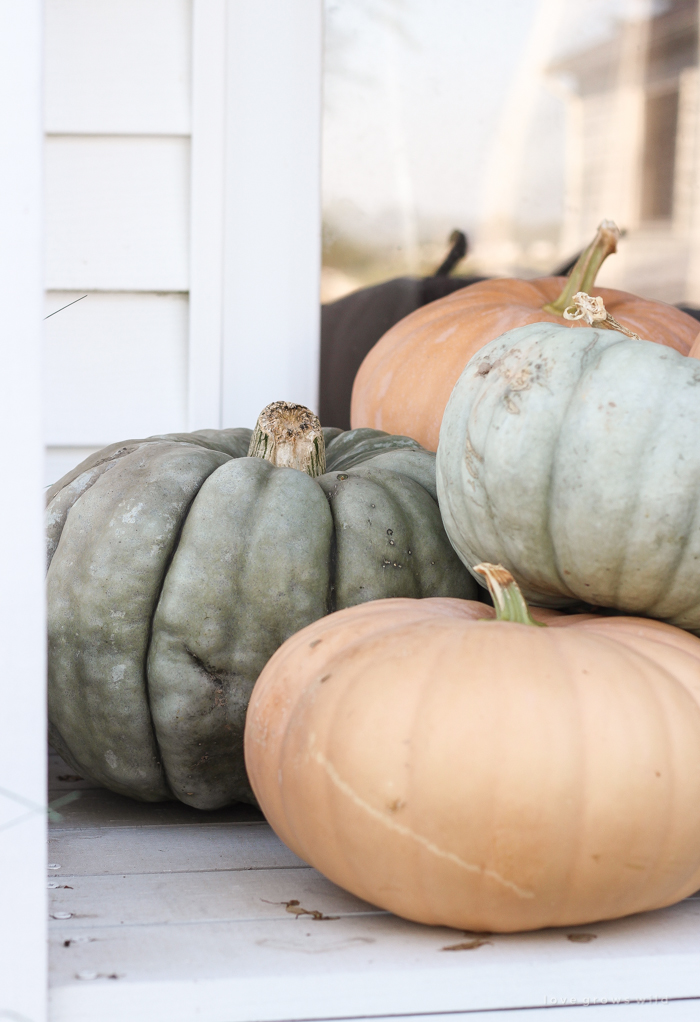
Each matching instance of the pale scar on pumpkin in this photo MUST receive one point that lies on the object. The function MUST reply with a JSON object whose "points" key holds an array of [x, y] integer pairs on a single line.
{"points": [[406, 832]]}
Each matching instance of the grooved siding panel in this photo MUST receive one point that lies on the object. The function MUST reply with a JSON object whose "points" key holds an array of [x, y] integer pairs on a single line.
{"points": [[117, 66], [117, 186], [115, 366], [117, 213]]}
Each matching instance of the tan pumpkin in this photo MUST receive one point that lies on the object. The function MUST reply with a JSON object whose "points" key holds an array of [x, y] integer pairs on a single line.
{"points": [[487, 775], [405, 381]]}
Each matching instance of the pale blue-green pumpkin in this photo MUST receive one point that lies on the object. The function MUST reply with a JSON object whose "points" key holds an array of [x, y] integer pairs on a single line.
{"points": [[572, 457], [178, 565]]}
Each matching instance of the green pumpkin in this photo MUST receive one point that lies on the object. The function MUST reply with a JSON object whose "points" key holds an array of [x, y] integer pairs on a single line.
{"points": [[178, 565], [572, 457]]}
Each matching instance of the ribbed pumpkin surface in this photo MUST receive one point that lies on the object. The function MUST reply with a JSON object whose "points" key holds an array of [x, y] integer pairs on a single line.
{"points": [[572, 457], [485, 775], [177, 568]]}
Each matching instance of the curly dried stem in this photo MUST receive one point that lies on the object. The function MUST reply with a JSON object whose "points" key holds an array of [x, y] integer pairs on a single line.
{"points": [[593, 311]]}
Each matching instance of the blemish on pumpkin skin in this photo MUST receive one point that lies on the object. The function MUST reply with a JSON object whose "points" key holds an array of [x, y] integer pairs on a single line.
{"points": [[315, 643], [520, 380], [404, 831]]}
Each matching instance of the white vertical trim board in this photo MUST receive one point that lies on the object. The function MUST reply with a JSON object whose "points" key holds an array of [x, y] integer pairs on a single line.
{"points": [[23, 720], [272, 247], [207, 212]]}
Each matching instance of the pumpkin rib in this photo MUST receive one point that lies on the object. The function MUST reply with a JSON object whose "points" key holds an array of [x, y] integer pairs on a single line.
{"points": [[160, 586], [609, 631], [624, 631], [692, 875], [556, 452], [671, 580], [568, 662], [58, 490], [642, 471], [208, 597], [116, 545], [638, 660], [581, 383]]}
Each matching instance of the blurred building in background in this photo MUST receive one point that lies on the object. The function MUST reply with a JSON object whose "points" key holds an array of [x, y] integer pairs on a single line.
{"points": [[632, 151], [522, 124]]}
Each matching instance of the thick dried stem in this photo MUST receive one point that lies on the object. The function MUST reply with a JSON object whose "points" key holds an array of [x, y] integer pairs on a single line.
{"points": [[289, 436]]}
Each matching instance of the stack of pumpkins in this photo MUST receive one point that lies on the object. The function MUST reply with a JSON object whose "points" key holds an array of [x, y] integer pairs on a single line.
{"points": [[493, 768]]}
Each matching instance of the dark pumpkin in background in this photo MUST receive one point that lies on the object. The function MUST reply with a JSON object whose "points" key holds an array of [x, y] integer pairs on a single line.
{"points": [[178, 565], [352, 325]]}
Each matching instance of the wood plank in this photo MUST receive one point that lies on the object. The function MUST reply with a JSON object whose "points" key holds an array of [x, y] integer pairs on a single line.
{"points": [[230, 895], [117, 66], [165, 850], [117, 213], [361, 965], [188, 912], [115, 367]]}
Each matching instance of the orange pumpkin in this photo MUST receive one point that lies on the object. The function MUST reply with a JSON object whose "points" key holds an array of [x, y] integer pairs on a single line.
{"points": [[406, 379], [486, 775]]}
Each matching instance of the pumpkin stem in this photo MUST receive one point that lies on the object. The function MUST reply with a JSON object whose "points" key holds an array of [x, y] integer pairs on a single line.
{"points": [[505, 592], [583, 275], [289, 436]]}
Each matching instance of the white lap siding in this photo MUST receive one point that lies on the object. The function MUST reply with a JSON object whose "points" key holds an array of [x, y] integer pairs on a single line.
{"points": [[117, 152]]}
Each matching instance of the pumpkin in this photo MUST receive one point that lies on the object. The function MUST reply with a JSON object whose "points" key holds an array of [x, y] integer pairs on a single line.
{"points": [[178, 565], [487, 775], [352, 325], [572, 457], [405, 381]]}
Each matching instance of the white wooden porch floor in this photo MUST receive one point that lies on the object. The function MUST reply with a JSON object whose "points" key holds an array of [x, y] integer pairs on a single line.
{"points": [[165, 914]]}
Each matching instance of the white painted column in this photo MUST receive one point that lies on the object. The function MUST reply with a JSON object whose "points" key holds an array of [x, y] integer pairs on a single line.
{"points": [[207, 213], [22, 629], [272, 246], [692, 282]]}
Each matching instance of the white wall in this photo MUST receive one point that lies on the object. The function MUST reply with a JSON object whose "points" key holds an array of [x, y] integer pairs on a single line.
{"points": [[117, 121], [181, 199], [23, 719]]}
